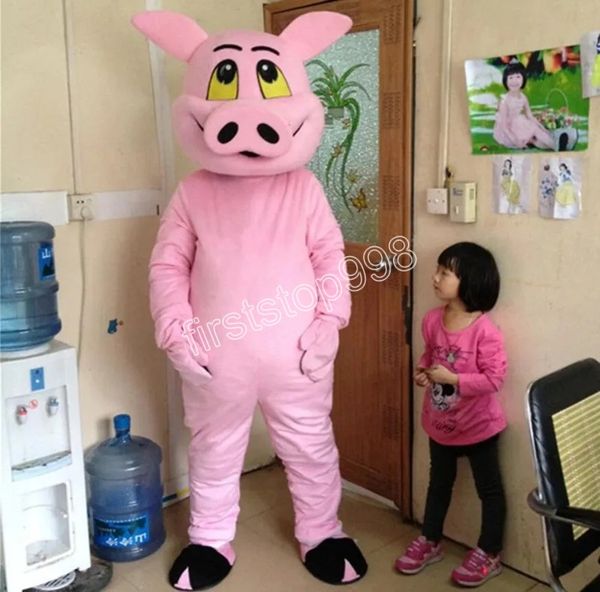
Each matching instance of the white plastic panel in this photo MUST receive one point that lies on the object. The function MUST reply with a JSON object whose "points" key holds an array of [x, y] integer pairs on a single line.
{"points": [[44, 431], [47, 524]]}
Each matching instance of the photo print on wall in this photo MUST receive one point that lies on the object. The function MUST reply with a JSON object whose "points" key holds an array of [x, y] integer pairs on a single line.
{"points": [[590, 64], [559, 188], [511, 183], [527, 102]]}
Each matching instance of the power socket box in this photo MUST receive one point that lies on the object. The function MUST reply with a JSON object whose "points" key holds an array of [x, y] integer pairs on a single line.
{"points": [[463, 201], [77, 203]]}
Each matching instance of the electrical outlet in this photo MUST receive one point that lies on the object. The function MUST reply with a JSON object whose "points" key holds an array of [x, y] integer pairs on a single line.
{"points": [[81, 207], [463, 201]]}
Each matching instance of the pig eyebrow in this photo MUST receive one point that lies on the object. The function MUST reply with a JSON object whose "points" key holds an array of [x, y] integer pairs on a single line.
{"points": [[265, 48], [227, 46]]}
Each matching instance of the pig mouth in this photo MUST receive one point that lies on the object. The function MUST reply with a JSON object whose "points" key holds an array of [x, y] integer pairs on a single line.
{"points": [[299, 128]]}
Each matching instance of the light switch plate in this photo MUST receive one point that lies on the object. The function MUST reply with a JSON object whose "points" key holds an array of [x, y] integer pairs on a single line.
{"points": [[437, 201]]}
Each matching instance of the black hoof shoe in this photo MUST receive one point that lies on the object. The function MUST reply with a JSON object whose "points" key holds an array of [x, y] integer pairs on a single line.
{"points": [[198, 568], [329, 561]]}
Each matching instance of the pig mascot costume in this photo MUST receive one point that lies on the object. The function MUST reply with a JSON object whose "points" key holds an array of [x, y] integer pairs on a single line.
{"points": [[248, 288]]}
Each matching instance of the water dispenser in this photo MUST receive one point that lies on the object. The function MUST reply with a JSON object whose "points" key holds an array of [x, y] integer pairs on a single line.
{"points": [[43, 499]]}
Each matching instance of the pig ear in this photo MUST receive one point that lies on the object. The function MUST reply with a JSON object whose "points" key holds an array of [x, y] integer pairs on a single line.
{"points": [[313, 32], [176, 33]]}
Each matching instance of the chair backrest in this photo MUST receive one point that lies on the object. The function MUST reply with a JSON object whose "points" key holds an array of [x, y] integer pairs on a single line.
{"points": [[564, 416]]}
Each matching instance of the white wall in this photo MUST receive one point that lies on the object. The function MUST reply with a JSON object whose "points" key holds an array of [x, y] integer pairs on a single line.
{"points": [[548, 308]]}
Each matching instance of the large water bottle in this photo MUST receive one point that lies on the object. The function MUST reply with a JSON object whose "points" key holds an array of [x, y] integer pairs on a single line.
{"points": [[28, 309], [124, 495]]}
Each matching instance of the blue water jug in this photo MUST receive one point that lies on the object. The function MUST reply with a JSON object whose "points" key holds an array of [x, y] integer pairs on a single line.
{"points": [[124, 493], [28, 299]]}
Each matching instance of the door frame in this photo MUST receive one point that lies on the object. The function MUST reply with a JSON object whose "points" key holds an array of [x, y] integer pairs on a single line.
{"points": [[396, 109]]}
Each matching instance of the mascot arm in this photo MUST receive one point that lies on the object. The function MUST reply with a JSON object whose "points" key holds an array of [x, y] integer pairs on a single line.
{"points": [[326, 249], [170, 266], [325, 243]]}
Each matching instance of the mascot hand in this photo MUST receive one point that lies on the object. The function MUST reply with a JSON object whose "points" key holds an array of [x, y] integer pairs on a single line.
{"points": [[320, 344], [186, 355]]}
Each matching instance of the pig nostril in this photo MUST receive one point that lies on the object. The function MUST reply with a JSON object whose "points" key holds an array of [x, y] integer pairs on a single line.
{"points": [[228, 132], [267, 133]]}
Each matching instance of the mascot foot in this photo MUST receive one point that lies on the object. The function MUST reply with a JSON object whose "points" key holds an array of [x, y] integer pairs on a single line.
{"points": [[199, 567], [336, 561]]}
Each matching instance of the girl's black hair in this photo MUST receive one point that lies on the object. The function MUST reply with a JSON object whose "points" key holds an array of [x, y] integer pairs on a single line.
{"points": [[514, 68], [478, 273]]}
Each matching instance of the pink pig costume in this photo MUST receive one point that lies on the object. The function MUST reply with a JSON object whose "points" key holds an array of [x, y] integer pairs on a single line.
{"points": [[248, 287]]}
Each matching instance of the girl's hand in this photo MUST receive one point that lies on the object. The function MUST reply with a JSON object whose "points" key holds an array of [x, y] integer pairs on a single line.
{"points": [[442, 375], [420, 377]]}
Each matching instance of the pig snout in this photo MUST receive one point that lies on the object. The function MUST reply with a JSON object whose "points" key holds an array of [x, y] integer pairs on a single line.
{"points": [[254, 132]]}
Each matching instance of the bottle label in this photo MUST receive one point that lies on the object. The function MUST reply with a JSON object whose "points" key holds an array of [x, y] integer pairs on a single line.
{"points": [[119, 534], [46, 261]]}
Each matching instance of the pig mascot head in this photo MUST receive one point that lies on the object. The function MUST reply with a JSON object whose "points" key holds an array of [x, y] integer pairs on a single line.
{"points": [[248, 118], [247, 107]]}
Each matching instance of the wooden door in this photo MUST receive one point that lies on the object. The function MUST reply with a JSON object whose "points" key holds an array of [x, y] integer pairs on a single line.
{"points": [[364, 163]]}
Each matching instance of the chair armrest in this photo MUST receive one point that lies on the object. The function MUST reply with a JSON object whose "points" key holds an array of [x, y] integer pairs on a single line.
{"points": [[581, 516]]}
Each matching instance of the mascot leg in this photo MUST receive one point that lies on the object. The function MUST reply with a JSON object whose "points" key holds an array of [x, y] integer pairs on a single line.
{"points": [[297, 414], [219, 419]]}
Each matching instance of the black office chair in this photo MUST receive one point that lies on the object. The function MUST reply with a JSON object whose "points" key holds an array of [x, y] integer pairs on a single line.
{"points": [[563, 409]]}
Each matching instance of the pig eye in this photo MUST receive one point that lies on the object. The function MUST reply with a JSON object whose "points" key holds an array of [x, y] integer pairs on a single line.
{"points": [[272, 81], [224, 82]]}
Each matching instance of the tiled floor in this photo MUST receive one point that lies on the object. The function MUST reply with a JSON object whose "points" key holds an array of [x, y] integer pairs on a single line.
{"points": [[267, 558]]}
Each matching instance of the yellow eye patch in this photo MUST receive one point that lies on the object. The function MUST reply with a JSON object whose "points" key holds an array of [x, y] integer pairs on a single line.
{"points": [[272, 82], [224, 82]]}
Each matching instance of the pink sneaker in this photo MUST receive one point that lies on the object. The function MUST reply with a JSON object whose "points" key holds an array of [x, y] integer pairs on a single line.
{"points": [[419, 554], [477, 568]]}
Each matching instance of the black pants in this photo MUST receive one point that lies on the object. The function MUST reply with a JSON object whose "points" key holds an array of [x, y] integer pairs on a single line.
{"points": [[486, 471]]}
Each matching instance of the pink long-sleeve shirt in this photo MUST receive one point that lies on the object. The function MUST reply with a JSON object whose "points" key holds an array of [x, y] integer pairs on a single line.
{"points": [[469, 412]]}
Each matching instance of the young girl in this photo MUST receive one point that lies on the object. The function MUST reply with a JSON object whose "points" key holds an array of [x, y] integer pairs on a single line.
{"points": [[463, 369], [515, 125]]}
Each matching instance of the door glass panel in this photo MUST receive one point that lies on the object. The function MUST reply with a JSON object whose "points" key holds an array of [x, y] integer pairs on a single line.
{"points": [[345, 77]]}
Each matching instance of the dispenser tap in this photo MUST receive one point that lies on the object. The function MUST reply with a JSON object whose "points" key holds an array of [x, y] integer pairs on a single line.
{"points": [[21, 414], [53, 405]]}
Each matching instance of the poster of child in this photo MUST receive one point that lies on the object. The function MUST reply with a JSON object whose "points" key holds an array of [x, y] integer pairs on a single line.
{"points": [[511, 183], [559, 188], [530, 102], [590, 64]]}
